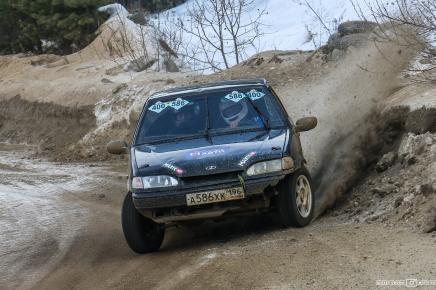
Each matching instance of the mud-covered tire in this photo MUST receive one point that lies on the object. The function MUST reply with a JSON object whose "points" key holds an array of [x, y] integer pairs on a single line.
{"points": [[142, 234], [286, 201]]}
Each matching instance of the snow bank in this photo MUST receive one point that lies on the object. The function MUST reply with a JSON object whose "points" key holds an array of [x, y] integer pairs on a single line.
{"points": [[129, 41], [115, 10], [286, 22]]}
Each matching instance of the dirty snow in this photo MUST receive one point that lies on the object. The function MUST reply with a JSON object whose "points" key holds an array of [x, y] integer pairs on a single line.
{"points": [[132, 39], [114, 10]]}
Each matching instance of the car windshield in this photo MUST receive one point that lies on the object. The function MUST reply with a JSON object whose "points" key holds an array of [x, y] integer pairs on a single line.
{"points": [[225, 110]]}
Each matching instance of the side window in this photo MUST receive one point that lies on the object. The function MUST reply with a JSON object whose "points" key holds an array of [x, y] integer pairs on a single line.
{"points": [[275, 109], [269, 106]]}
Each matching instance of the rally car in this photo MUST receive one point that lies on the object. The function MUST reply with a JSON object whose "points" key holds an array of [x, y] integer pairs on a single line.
{"points": [[213, 151]]}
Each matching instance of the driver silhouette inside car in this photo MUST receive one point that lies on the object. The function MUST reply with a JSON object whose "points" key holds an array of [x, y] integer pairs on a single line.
{"points": [[237, 114], [185, 120]]}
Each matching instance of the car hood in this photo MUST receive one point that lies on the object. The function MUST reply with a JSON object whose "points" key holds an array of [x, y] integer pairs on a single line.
{"points": [[219, 154]]}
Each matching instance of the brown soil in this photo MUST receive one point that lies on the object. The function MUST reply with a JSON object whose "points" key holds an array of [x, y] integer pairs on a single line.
{"points": [[403, 194], [53, 128]]}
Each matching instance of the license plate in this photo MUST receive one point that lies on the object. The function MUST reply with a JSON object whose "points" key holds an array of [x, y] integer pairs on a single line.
{"points": [[215, 196]]}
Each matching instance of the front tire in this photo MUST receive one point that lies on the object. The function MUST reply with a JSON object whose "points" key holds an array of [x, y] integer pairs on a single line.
{"points": [[296, 199], [142, 234]]}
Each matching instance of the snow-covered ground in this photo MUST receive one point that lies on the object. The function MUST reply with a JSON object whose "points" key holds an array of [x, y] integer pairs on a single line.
{"points": [[285, 25], [114, 10], [286, 22]]}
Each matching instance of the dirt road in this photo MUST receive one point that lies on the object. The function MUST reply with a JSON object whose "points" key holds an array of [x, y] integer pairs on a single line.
{"points": [[60, 229]]}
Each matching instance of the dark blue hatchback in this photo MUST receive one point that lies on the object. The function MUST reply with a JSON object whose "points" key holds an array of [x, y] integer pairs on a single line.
{"points": [[213, 151]]}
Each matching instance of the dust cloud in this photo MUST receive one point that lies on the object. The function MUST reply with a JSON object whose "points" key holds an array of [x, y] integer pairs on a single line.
{"points": [[345, 101]]}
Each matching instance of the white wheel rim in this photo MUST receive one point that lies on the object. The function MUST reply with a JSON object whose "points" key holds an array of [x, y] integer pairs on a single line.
{"points": [[303, 196]]}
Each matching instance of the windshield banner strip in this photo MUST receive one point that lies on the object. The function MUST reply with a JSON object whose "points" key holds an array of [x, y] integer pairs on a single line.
{"points": [[176, 104], [236, 96]]}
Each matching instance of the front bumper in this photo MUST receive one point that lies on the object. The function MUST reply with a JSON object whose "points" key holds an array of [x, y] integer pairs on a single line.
{"points": [[177, 198]]}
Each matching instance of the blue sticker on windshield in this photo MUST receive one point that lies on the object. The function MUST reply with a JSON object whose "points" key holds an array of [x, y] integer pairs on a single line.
{"points": [[235, 96], [176, 104], [255, 95]]}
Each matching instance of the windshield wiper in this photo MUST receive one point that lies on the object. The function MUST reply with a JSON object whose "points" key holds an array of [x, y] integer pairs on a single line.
{"points": [[265, 120], [169, 138]]}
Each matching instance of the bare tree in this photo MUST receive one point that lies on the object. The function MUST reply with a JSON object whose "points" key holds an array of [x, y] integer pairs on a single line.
{"points": [[129, 43], [397, 19], [168, 37], [217, 34], [138, 42], [170, 33], [325, 24]]}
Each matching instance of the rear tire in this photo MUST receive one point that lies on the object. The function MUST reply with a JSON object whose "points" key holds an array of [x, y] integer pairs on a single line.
{"points": [[296, 200], [142, 234]]}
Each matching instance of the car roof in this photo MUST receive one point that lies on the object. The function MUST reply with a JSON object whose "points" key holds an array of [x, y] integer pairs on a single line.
{"points": [[209, 87]]}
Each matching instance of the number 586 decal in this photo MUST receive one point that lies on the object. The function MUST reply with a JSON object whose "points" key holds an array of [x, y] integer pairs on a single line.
{"points": [[236, 96], [175, 104]]}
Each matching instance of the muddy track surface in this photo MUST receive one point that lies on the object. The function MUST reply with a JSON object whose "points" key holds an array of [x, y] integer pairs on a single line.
{"points": [[60, 229]]}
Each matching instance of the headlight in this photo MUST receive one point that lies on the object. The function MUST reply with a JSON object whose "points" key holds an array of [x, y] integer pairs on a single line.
{"points": [[270, 166], [153, 182], [265, 167]]}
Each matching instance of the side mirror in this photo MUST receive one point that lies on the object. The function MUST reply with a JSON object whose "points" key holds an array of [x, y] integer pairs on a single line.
{"points": [[306, 124], [117, 147]]}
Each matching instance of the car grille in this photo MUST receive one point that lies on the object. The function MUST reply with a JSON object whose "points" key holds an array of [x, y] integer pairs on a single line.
{"points": [[160, 201], [212, 178]]}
